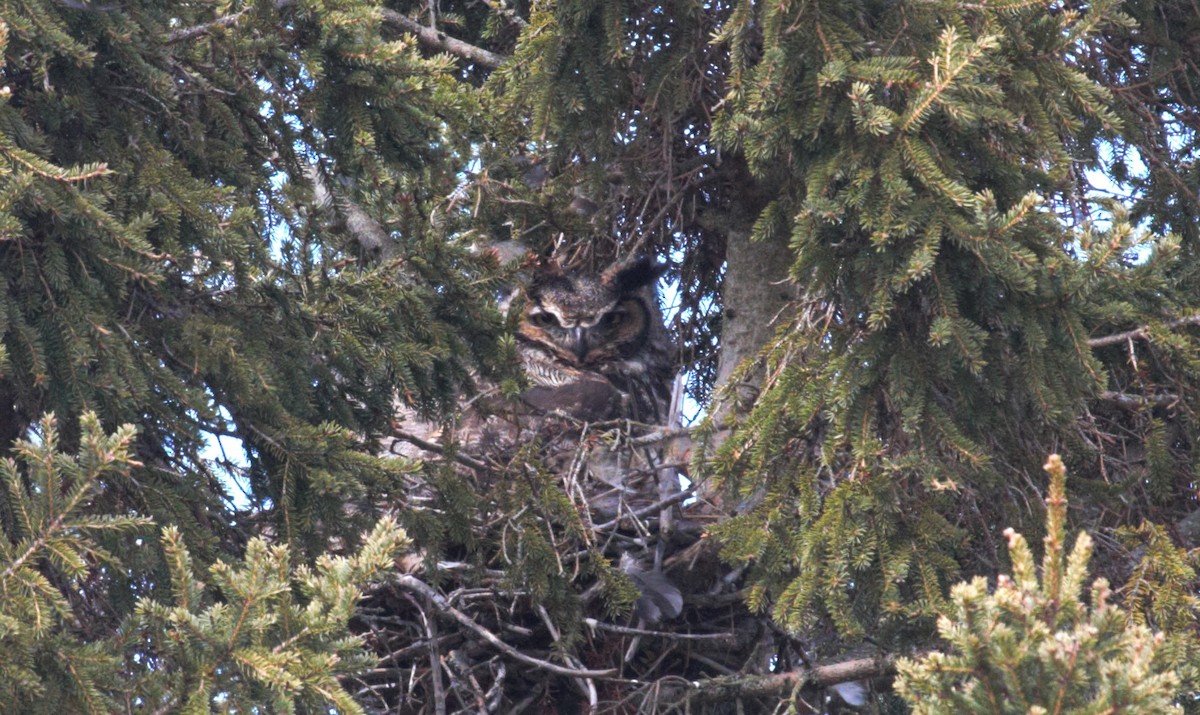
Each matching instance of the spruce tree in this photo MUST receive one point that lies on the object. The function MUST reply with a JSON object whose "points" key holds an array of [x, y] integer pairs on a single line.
{"points": [[284, 225]]}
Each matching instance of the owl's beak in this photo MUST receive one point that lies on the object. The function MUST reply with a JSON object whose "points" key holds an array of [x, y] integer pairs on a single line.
{"points": [[580, 344]]}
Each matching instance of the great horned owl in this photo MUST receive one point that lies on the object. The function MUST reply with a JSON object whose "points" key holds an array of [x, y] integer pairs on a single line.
{"points": [[594, 346]]}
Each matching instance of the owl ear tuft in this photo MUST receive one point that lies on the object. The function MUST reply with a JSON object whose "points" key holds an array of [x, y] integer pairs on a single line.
{"points": [[633, 274], [548, 272]]}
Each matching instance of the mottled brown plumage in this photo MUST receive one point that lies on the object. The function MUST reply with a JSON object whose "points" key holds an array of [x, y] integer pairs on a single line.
{"points": [[585, 329], [594, 349]]}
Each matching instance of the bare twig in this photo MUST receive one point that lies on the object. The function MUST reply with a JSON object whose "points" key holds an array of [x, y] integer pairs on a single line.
{"points": [[435, 661], [1141, 333], [413, 648], [1133, 402], [586, 685], [411, 583], [463, 459], [750, 686], [87, 6], [184, 34], [626, 630], [668, 477], [660, 435], [528, 700], [646, 510]]}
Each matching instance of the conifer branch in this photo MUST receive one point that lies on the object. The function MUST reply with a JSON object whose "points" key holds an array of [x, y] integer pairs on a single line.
{"points": [[441, 42], [1133, 402], [370, 235], [190, 33], [40, 167], [428, 36], [754, 686], [1141, 333], [508, 13], [463, 459], [947, 67]]}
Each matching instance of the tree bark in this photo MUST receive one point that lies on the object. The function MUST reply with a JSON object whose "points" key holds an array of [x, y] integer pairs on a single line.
{"points": [[756, 291], [775, 685]]}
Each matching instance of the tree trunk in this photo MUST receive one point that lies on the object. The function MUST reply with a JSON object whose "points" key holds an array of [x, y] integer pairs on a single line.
{"points": [[756, 291]]}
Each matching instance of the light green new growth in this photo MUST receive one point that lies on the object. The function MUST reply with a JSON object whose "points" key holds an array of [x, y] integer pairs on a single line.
{"points": [[1034, 647], [52, 544], [278, 636]]}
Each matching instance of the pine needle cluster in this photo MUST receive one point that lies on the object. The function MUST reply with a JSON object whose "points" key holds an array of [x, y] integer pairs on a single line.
{"points": [[1039, 645], [918, 155], [257, 631]]}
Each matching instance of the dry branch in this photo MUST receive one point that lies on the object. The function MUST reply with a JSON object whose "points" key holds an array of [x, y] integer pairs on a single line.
{"points": [[733, 687], [463, 459], [430, 37], [415, 585], [646, 510], [436, 40], [669, 635], [1135, 402], [1141, 333]]}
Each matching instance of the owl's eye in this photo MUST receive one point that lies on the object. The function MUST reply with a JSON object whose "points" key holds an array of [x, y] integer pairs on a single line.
{"points": [[543, 320], [613, 318]]}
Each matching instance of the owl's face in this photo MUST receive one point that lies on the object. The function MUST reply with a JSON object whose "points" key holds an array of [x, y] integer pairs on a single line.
{"points": [[587, 321]]}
